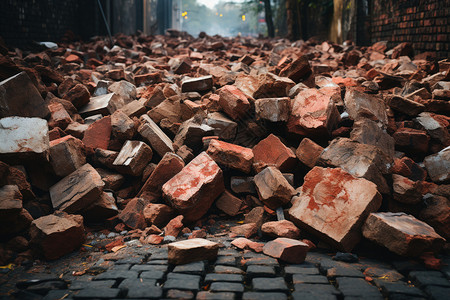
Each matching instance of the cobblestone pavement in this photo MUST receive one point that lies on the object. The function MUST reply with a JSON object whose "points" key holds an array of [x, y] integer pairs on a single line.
{"points": [[142, 272]]}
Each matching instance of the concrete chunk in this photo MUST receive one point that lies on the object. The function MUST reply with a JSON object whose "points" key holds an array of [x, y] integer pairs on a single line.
{"points": [[23, 139]]}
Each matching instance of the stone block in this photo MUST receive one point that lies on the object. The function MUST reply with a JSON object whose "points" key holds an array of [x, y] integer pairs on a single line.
{"points": [[308, 152], [66, 155], [402, 234], [286, 249], [156, 138], [233, 102], [273, 109], [184, 252], [170, 165], [77, 190], [56, 235], [273, 189], [19, 97], [313, 113], [199, 84], [231, 156], [103, 104], [133, 158], [438, 166], [333, 195], [195, 187], [272, 152]]}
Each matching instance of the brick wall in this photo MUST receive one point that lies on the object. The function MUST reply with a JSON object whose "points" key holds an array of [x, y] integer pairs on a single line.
{"points": [[24, 21], [425, 23]]}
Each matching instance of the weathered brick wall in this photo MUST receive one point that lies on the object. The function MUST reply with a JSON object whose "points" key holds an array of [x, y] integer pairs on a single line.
{"points": [[425, 23], [22, 21]]}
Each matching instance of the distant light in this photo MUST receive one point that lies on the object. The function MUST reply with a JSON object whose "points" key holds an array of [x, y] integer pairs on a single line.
{"points": [[221, 15], [217, 13], [184, 14], [243, 18], [185, 17]]}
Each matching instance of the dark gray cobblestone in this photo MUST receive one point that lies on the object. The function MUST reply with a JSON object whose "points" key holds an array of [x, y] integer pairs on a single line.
{"points": [[146, 274]]}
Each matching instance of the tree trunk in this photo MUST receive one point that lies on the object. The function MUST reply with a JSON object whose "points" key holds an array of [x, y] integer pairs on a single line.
{"points": [[269, 19], [293, 20]]}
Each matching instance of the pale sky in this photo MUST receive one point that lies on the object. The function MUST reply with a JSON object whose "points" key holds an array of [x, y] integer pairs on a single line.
{"points": [[211, 3]]}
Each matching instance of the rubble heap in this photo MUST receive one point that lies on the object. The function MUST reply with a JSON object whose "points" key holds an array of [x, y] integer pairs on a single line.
{"points": [[162, 135]]}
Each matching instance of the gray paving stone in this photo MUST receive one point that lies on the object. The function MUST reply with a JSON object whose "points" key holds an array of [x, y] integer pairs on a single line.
{"points": [[425, 278], [130, 284], [98, 293], [305, 278], [260, 271], [145, 291], [215, 296], [263, 260], [389, 288], [80, 285], [228, 252], [197, 268], [179, 294], [405, 297], [326, 289], [341, 271], [294, 269], [130, 260], [157, 275], [226, 260], [357, 287], [406, 266], [233, 287], [121, 267], [179, 281], [162, 262], [263, 296], [213, 277], [160, 254], [149, 268], [384, 273], [276, 284], [117, 275], [438, 292], [227, 270], [328, 263], [312, 296], [183, 276], [56, 294]]}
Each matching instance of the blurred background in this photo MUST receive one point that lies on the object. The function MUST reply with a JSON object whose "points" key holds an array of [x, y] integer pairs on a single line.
{"points": [[425, 23]]}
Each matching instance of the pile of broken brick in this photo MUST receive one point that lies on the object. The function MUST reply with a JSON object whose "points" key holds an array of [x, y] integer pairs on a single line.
{"points": [[162, 135]]}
